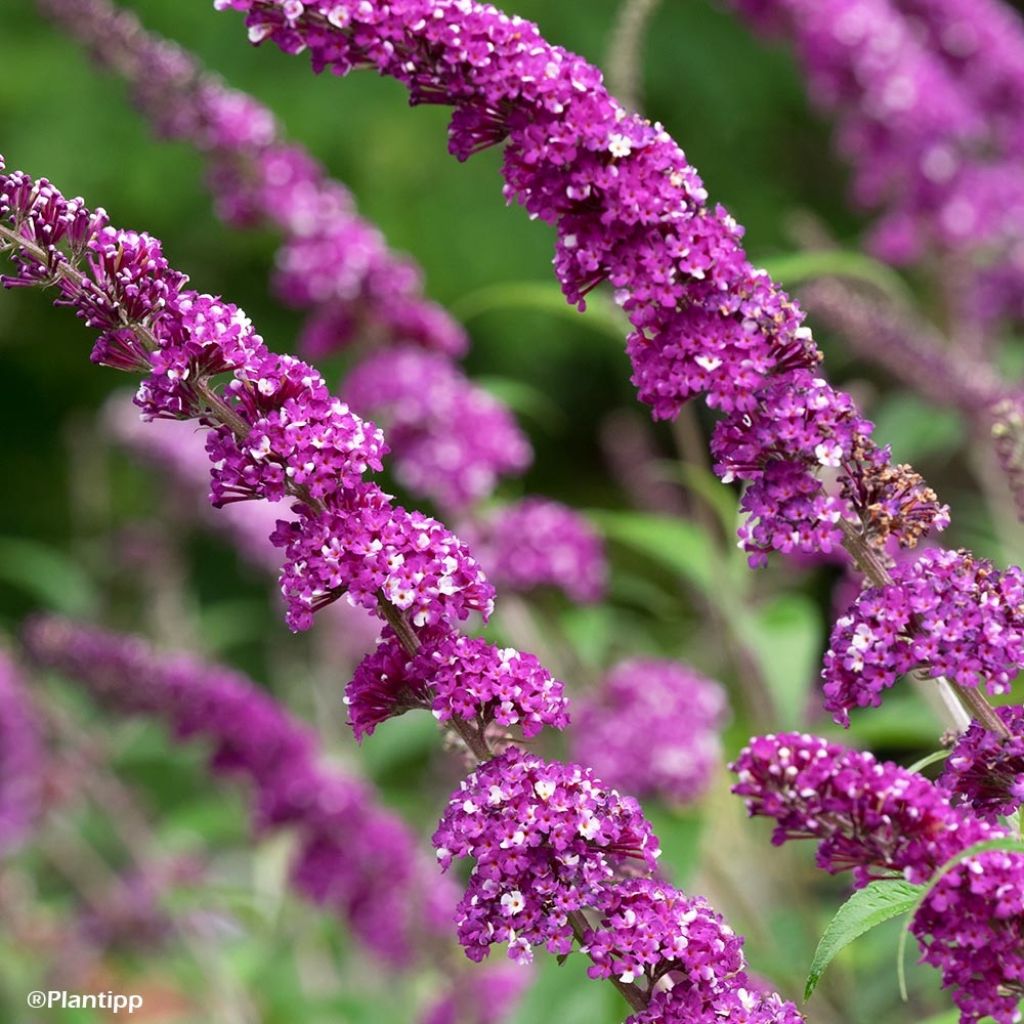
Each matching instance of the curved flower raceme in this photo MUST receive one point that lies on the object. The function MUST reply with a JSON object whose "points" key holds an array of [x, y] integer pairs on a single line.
{"points": [[876, 818], [986, 771], [353, 856], [982, 43], [268, 425], [455, 676], [653, 728], [884, 821], [275, 429], [546, 839], [630, 210], [332, 261], [930, 137], [22, 759], [450, 439], [946, 612], [537, 542]]}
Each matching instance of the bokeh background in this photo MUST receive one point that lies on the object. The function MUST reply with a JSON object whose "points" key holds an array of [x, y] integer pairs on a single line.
{"points": [[86, 530]]}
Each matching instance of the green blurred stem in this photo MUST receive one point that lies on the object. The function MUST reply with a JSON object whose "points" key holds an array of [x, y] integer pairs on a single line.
{"points": [[956, 699], [625, 55], [692, 448], [629, 992]]}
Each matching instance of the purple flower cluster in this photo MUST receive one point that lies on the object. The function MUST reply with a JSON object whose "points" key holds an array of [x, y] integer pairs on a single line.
{"points": [[536, 542], [691, 959], [875, 817], [653, 729], [486, 995], [22, 759], [986, 771], [982, 43], [332, 261], [739, 1003], [451, 440], [947, 613], [455, 676], [628, 209], [546, 839], [882, 820], [298, 435], [369, 549], [648, 929], [276, 430], [353, 856], [971, 928]]}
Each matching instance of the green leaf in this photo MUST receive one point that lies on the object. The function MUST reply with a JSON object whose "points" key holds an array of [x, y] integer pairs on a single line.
{"points": [[795, 268], [525, 400], [543, 297], [901, 963], [916, 428], [1007, 843], [864, 910], [707, 486], [938, 755], [48, 575], [786, 633], [590, 630], [678, 545]]}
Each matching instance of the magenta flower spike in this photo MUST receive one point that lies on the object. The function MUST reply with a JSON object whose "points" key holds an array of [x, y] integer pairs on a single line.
{"points": [[22, 759], [274, 429], [986, 771], [629, 210], [946, 612], [353, 857], [883, 822]]}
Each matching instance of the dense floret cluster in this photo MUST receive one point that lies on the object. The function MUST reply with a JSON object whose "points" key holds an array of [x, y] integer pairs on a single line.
{"points": [[946, 612], [653, 728], [885, 821], [546, 839], [537, 542], [455, 676], [986, 771]]}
